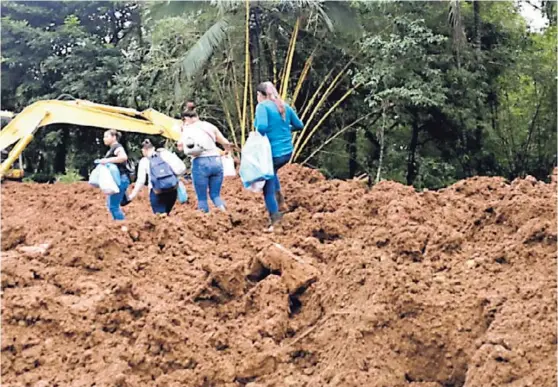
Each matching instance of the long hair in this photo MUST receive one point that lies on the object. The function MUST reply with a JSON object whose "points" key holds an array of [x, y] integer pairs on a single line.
{"points": [[268, 90]]}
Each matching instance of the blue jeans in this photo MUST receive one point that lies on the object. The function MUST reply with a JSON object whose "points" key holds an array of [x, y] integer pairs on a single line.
{"points": [[272, 186], [162, 203], [113, 201], [207, 174]]}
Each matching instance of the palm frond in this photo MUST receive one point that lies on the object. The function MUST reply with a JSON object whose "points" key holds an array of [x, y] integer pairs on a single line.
{"points": [[198, 55], [225, 6], [343, 17], [325, 18]]}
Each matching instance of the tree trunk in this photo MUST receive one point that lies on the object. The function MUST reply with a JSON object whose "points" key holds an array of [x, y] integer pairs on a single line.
{"points": [[61, 151], [255, 46], [411, 158], [352, 150], [381, 158], [477, 27]]}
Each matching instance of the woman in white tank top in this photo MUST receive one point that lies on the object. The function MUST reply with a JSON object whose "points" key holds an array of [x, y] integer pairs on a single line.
{"points": [[207, 167]]}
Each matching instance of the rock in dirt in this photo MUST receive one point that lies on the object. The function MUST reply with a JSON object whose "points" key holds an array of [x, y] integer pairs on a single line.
{"points": [[296, 274], [33, 251]]}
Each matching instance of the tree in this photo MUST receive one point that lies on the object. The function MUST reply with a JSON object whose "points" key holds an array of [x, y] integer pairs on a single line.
{"points": [[401, 72]]}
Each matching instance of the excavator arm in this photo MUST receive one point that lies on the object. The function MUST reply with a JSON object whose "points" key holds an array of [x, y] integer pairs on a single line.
{"points": [[20, 131]]}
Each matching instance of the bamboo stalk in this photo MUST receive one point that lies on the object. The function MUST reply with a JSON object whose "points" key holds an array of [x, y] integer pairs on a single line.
{"points": [[246, 71], [251, 96], [339, 132], [289, 64], [273, 52], [225, 109], [237, 103], [234, 82], [298, 150], [274, 60], [322, 100], [328, 91], [316, 93], [228, 118], [302, 78]]}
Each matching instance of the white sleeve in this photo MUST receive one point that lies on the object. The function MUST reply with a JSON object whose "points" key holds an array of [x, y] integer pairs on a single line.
{"points": [[142, 176], [177, 165]]}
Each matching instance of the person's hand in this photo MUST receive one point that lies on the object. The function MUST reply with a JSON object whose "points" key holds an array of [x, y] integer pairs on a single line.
{"points": [[228, 149], [103, 161]]}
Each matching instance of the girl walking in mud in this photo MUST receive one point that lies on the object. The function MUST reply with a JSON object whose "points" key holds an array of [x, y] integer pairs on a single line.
{"points": [[117, 156], [161, 202], [199, 141], [275, 119]]}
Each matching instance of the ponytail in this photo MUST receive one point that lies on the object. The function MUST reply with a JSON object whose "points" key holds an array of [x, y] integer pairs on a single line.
{"points": [[268, 90], [115, 133]]}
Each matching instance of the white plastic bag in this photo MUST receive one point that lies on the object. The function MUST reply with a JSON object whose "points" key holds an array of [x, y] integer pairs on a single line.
{"points": [[177, 165], [256, 162], [94, 178], [257, 186], [228, 166], [106, 181]]}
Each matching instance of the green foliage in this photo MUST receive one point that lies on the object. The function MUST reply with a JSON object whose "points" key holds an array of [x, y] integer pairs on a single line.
{"points": [[40, 178], [401, 66], [456, 88], [71, 176]]}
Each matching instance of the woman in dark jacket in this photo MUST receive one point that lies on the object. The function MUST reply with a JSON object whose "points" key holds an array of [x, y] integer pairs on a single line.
{"points": [[116, 155]]}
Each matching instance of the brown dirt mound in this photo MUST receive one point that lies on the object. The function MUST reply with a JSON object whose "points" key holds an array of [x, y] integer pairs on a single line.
{"points": [[386, 287]]}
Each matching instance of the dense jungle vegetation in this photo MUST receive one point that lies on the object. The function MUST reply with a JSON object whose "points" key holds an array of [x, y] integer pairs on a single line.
{"points": [[424, 93]]}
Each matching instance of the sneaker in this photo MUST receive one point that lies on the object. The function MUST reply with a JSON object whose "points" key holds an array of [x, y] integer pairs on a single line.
{"points": [[274, 220]]}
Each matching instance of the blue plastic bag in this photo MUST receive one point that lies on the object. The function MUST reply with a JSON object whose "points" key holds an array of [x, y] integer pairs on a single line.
{"points": [[115, 172], [256, 162], [182, 194]]}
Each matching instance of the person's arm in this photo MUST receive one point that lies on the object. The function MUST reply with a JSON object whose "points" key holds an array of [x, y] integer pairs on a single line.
{"points": [[120, 157], [295, 122], [220, 139], [142, 177], [261, 122], [180, 143]]}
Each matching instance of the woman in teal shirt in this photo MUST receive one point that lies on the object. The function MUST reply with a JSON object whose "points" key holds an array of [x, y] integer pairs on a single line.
{"points": [[276, 120]]}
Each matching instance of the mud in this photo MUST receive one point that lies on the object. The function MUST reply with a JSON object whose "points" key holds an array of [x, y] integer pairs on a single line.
{"points": [[386, 287]]}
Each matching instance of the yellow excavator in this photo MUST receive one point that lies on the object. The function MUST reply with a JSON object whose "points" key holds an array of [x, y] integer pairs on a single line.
{"points": [[20, 130], [16, 172]]}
